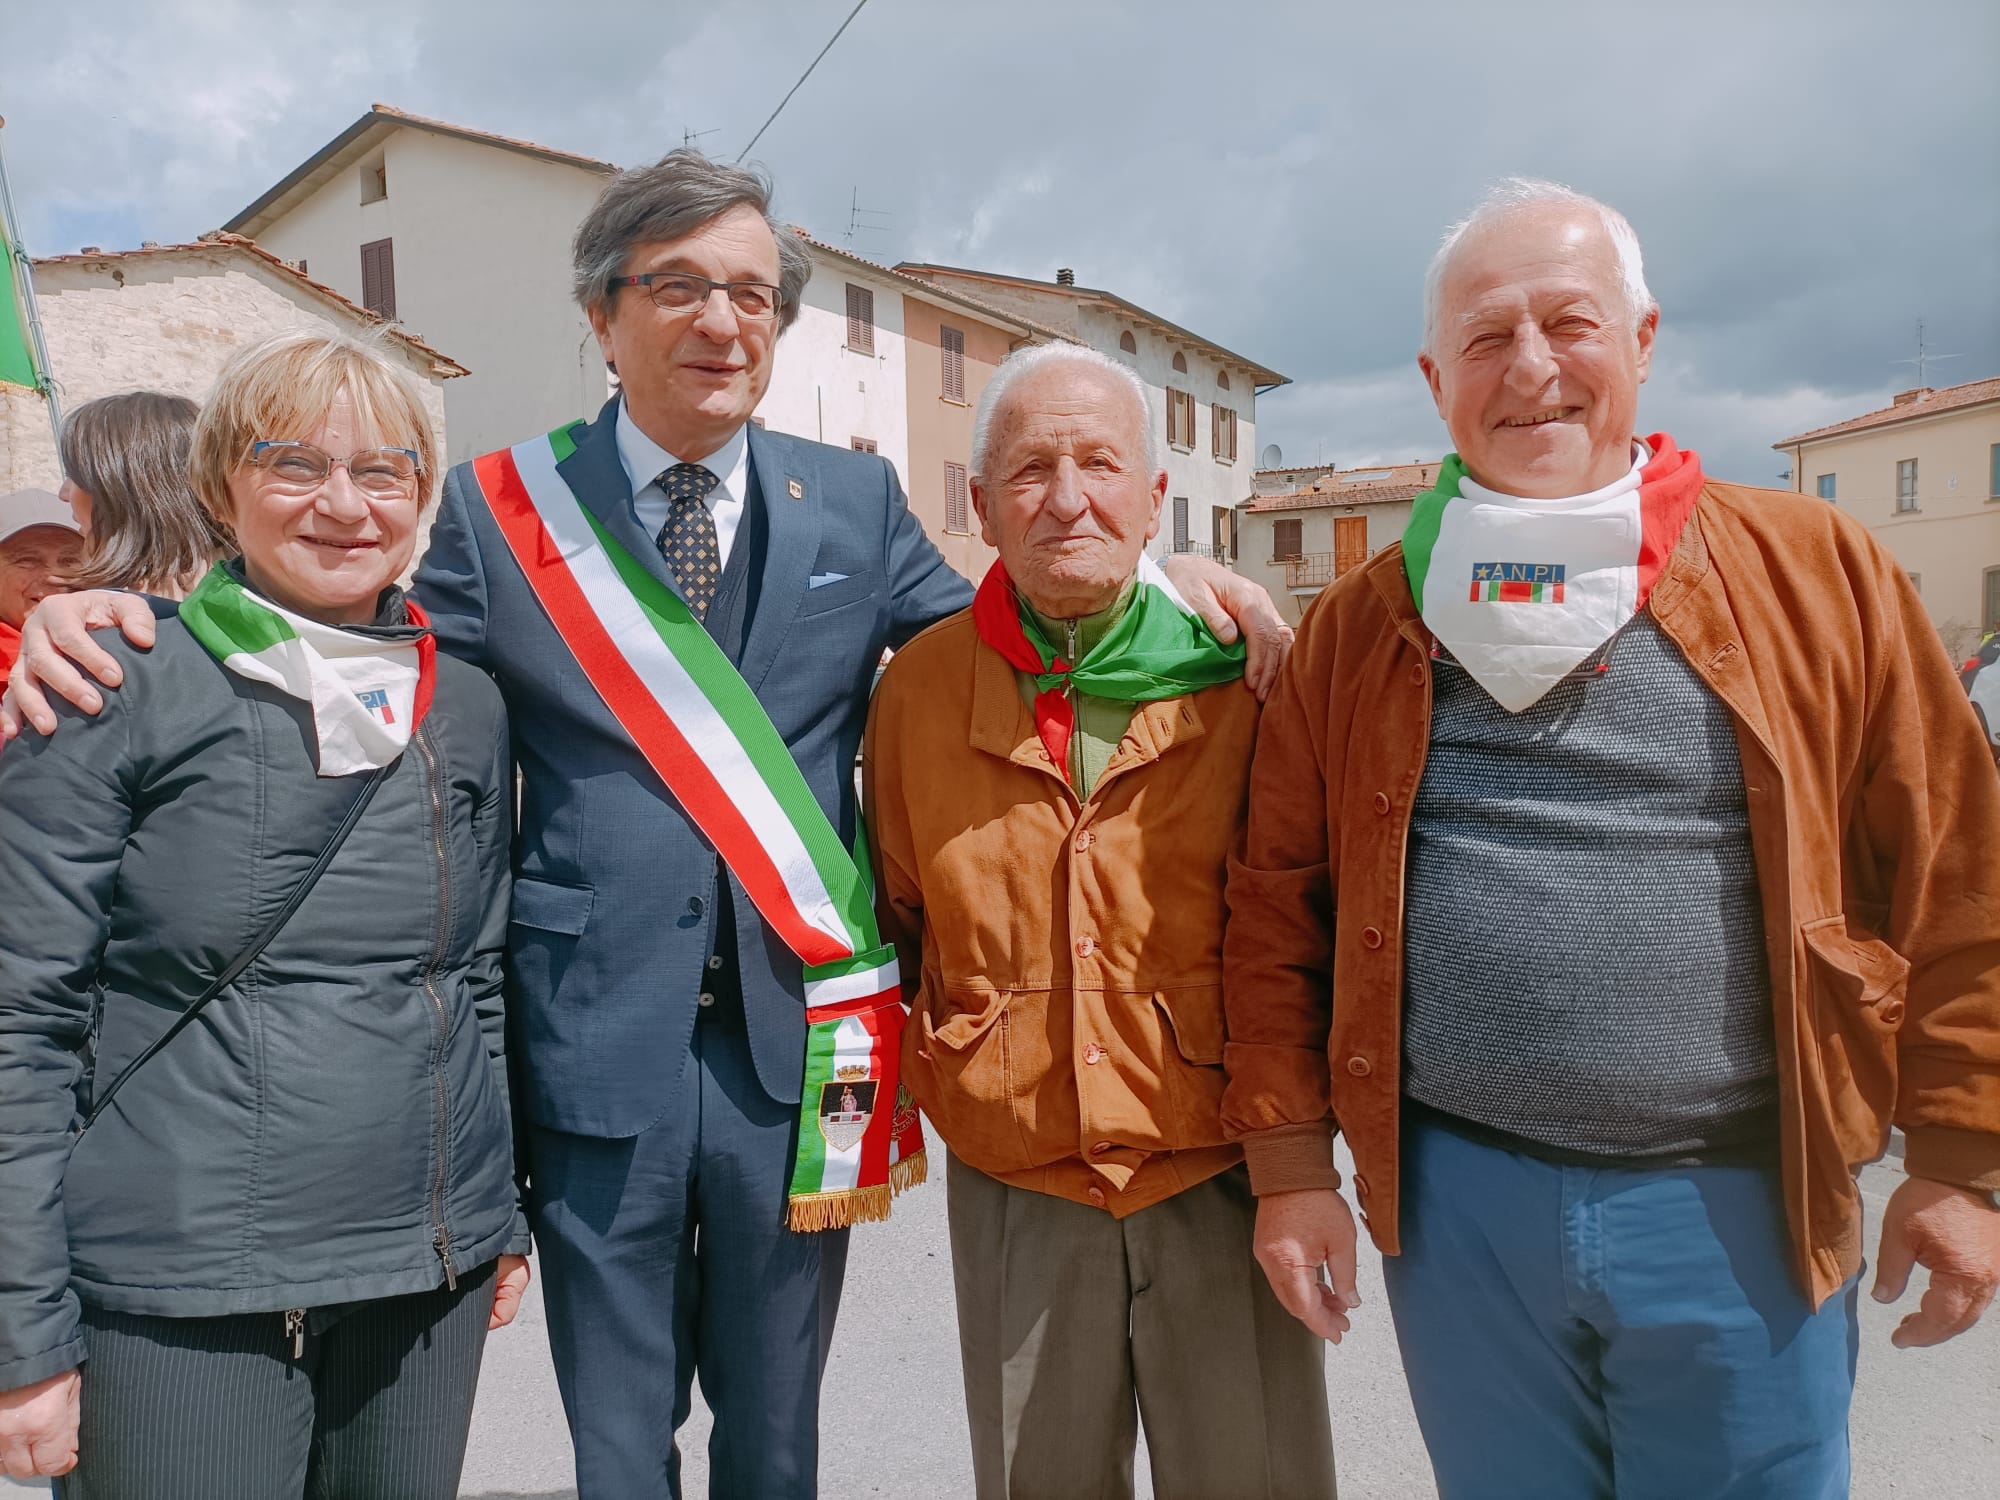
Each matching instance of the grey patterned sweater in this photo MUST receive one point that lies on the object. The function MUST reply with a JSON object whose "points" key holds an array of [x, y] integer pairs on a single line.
{"points": [[1584, 949]]}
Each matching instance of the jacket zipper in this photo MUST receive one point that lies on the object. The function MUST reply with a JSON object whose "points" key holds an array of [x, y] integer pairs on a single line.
{"points": [[441, 1231], [295, 1330]]}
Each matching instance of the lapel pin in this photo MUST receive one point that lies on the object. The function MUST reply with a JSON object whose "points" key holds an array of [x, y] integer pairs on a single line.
{"points": [[796, 490]]}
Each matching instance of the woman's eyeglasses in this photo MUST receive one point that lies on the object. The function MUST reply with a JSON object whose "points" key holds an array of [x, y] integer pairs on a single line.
{"points": [[300, 467]]}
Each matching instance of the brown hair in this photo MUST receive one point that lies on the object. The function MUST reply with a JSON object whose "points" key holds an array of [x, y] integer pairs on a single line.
{"points": [[129, 453], [284, 387]]}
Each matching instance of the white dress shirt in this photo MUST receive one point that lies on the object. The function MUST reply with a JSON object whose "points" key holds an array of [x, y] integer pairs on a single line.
{"points": [[645, 461]]}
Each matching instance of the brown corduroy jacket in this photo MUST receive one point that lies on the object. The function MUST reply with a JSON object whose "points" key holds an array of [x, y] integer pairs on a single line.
{"points": [[1874, 816], [1062, 958]]}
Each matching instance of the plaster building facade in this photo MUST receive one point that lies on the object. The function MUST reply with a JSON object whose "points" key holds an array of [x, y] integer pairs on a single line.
{"points": [[464, 237], [1297, 539], [1922, 474], [1204, 396], [167, 318]]}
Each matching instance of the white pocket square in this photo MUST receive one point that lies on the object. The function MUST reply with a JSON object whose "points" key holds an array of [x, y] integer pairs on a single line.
{"points": [[821, 580]]}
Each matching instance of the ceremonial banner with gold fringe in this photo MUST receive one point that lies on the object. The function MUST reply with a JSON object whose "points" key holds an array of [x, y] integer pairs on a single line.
{"points": [[697, 723]]}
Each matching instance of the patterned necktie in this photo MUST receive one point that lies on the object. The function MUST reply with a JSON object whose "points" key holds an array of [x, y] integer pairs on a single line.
{"points": [[687, 541]]}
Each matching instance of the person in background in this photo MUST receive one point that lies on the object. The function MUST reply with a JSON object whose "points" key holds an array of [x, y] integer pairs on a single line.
{"points": [[1051, 845], [267, 1264], [125, 475], [39, 547]]}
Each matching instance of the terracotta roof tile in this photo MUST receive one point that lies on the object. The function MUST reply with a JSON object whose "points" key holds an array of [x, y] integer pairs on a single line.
{"points": [[1951, 398], [1359, 494], [931, 288], [448, 367]]}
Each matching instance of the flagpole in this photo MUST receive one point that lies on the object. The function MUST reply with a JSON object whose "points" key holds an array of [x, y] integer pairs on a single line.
{"points": [[18, 266]]}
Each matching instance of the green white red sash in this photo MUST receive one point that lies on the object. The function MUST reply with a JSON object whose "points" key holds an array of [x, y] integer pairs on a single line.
{"points": [[1521, 592], [1159, 648], [697, 723], [368, 694]]}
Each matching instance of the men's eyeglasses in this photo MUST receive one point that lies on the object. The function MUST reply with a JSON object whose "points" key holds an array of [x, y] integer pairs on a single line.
{"points": [[684, 292], [300, 467]]}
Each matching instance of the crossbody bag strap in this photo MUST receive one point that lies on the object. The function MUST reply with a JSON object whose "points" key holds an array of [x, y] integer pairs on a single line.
{"points": [[234, 969]]}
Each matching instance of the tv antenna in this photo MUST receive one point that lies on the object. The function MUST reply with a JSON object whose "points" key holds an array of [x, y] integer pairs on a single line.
{"points": [[689, 137], [1925, 358], [858, 220]]}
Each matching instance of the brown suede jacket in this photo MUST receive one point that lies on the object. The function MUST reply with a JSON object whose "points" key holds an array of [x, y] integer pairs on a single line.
{"points": [[1874, 815], [1062, 957]]}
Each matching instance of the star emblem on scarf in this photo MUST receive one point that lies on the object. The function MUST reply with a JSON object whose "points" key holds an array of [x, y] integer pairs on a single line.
{"points": [[687, 542]]}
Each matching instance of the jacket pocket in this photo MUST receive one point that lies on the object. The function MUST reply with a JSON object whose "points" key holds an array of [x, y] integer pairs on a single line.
{"points": [[1194, 1016], [550, 907], [968, 1076], [1188, 1113], [1856, 984]]}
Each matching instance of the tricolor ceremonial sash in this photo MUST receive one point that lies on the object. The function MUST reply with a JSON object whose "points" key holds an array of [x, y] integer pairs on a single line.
{"points": [[689, 712], [1159, 648], [1522, 591], [367, 694]]}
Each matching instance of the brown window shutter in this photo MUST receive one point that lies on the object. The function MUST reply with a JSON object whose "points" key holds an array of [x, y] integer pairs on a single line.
{"points": [[1285, 539], [378, 278], [956, 520], [860, 319], [1174, 434], [951, 344], [1215, 430]]}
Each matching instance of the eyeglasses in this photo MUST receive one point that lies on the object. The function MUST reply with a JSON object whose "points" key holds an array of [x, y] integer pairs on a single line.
{"points": [[684, 292], [301, 468]]}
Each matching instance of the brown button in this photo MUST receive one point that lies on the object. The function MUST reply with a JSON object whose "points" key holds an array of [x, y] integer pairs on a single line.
{"points": [[1892, 1013], [1381, 802], [1417, 672], [1084, 840], [1093, 1053], [1359, 1067], [1371, 937], [1096, 1195], [1085, 946], [1100, 1148]]}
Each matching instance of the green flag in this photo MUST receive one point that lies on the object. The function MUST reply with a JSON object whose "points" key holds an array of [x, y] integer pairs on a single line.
{"points": [[17, 363]]}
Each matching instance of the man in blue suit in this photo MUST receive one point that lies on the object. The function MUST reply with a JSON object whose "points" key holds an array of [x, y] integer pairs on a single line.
{"points": [[658, 1027]]}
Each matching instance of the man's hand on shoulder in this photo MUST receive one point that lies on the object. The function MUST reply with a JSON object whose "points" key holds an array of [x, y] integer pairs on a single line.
{"points": [[1297, 1235], [1233, 605], [1954, 1233], [55, 643]]}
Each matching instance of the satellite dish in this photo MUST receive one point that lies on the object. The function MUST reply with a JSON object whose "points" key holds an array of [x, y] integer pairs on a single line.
{"points": [[1271, 457]]}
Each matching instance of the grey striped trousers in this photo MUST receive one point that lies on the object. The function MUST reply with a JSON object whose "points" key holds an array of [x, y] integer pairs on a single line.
{"points": [[375, 1407]]}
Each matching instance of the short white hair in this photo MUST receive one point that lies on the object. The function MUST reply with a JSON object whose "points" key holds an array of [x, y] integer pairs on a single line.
{"points": [[1512, 194], [1023, 362]]}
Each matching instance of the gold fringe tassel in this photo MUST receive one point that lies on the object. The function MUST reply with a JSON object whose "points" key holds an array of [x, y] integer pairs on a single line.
{"points": [[813, 1212], [911, 1171]]}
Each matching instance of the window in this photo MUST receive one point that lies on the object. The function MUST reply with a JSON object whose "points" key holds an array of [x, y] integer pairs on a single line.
{"points": [[1222, 379], [1285, 540], [1992, 459], [1222, 537], [1906, 484], [861, 444], [860, 319], [374, 181], [378, 278], [1180, 523], [1222, 434], [1826, 486], [1180, 363], [1127, 344], [1180, 418], [955, 519], [951, 348], [1992, 610]]}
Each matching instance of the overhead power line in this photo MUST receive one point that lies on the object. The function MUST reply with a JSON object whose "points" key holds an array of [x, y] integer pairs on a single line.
{"points": [[802, 78]]}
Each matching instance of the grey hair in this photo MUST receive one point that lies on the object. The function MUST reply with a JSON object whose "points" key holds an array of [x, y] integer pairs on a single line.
{"points": [[1035, 357], [669, 200], [1510, 195]]}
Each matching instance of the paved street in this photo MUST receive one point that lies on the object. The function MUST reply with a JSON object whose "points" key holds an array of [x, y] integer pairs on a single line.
{"points": [[1925, 1423]]}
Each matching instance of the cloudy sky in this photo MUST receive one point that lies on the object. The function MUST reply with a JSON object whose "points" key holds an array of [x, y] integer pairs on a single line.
{"points": [[1809, 177]]}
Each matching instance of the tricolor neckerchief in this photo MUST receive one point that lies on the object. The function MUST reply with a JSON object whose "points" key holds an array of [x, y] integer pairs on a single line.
{"points": [[1159, 648], [368, 693], [1522, 591], [689, 712]]}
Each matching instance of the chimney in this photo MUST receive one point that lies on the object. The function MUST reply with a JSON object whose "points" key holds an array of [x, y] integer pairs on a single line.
{"points": [[1065, 276], [149, 244], [91, 250], [1904, 398]]}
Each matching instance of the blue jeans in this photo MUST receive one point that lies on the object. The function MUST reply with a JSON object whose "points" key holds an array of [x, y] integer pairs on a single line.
{"points": [[1583, 1332]]}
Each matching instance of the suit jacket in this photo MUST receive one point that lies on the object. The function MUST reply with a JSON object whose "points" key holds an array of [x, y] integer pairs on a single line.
{"points": [[615, 891]]}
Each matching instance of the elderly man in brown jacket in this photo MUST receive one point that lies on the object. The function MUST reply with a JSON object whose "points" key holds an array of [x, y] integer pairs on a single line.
{"points": [[1619, 869], [1054, 779]]}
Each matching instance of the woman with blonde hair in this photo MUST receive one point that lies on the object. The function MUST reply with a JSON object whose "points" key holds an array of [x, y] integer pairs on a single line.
{"points": [[125, 476], [257, 1198]]}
